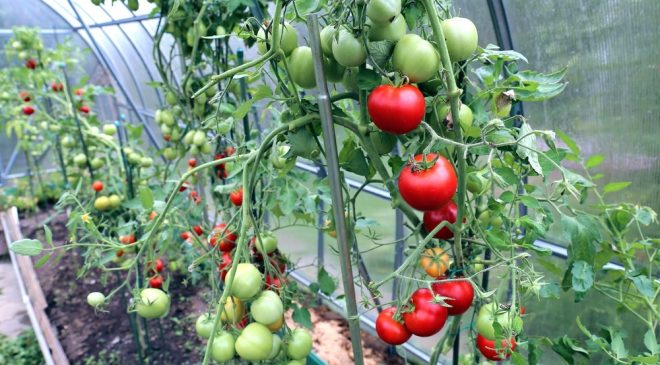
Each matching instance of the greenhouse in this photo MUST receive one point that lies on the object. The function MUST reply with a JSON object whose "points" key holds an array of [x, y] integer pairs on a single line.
{"points": [[285, 182]]}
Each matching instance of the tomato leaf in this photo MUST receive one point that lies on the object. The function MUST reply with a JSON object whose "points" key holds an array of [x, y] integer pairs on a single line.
{"points": [[302, 143], [43, 260], [570, 143], [644, 285], [583, 276], [518, 359], [615, 186], [48, 235], [493, 52], [146, 198], [27, 247], [594, 161], [380, 52], [301, 316], [650, 342], [368, 79], [526, 147], [352, 159], [327, 284]]}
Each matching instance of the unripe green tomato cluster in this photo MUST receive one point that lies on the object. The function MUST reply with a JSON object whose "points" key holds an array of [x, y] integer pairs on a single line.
{"points": [[197, 141], [167, 121], [104, 203]]}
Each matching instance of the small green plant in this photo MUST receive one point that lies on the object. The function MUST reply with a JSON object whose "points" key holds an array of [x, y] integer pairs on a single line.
{"points": [[23, 350]]}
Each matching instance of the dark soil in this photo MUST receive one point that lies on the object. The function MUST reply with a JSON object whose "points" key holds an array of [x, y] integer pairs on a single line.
{"points": [[105, 338]]}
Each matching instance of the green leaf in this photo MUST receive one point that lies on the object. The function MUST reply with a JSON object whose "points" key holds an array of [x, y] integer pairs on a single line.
{"points": [[352, 158], [146, 198], [303, 7], [261, 92], [368, 79], [549, 290], [303, 144], [583, 276], [530, 202], [48, 235], [507, 196], [518, 359], [506, 175], [327, 284], [650, 342], [583, 233], [594, 161], [644, 285], [26, 247], [301, 316], [615, 186], [570, 143], [380, 51], [43, 260], [618, 346], [493, 52], [526, 147]]}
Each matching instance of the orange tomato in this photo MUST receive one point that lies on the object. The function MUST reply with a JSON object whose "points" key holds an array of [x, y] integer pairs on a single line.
{"points": [[434, 261]]}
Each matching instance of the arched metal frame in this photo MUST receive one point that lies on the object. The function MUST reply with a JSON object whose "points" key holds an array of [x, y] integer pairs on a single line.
{"points": [[78, 25]]}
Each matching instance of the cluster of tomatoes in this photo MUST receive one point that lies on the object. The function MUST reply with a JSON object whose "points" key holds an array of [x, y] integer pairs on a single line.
{"points": [[103, 202]]}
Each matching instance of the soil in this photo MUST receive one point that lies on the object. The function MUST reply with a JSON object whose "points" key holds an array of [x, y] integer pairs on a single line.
{"points": [[105, 338]]}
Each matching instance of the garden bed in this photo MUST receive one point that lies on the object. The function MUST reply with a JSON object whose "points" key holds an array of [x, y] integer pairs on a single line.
{"points": [[87, 335]]}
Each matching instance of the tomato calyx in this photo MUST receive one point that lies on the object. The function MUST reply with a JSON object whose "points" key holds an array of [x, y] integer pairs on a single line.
{"points": [[424, 164]]}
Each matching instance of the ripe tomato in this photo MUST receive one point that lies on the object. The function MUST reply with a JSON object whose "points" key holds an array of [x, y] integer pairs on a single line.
{"points": [[267, 308], [225, 264], [272, 283], [236, 197], [159, 265], [185, 236], [154, 303], [460, 294], [434, 261], [227, 237], [31, 64], [427, 317], [156, 282], [25, 96], [198, 230], [288, 39], [127, 239], [432, 218], [348, 49], [390, 330], [84, 109], [397, 110], [247, 282], [491, 352], [152, 215], [79, 92], [192, 163], [431, 188], [222, 349], [416, 58], [97, 186], [57, 86], [255, 342], [300, 344], [461, 36], [301, 66], [95, 299], [28, 110]]}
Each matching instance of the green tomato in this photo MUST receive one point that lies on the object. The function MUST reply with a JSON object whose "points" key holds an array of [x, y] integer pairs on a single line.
{"points": [[95, 299], [327, 35], [267, 308], [68, 142], [350, 80], [223, 347], [169, 153], [255, 342], [102, 203], [477, 183], [300, 344], [277, 347], [204, 325], [295, 362], [220, 30], [133, 5], [171, 98], [146, 162], [247, 282], [465, 116], [199, 138], [334, 72], [109, 129], [80, 159], [115, 201], [461, 36], [134, 158], [301, 66], [154, 303], [267, 244], [489, 314], [188, 138], [96, 163], [415, 58], [383, 11], [384, 142], [391, 31], [348, 50], [288, 39]]}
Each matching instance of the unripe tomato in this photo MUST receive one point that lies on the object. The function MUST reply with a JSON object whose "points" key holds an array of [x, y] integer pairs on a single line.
{"points": [[255, 342], [288, 39], [416, 58], [348, 50], [432, 218], [275, 326], [488, 314], [222, 349], [460, 294], [115, 201], [169, 153], [383, 11], [102, 203], [97, 186], [397, 110], [300, 344], [154, 303], [477, 183], [236, 197], [461, 37], [491, 352], [95, 299], [80, 159], [327, 35], [171, 98], [350, 79], [199, 138], [301, 66], [383, 142], [204, 325], [233, 311], [267, 308], [435, 261], [247, 282], [334, 72], [431, 188], [146, 162], [427, 317], [267, 244], [390, 330], [96, 163], [109, 129], [390, 31]]}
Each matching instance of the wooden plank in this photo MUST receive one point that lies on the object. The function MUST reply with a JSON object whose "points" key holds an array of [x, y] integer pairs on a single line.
{"points": [[34, 290]]}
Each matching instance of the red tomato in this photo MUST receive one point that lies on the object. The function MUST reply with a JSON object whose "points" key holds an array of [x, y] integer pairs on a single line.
{"points": [[167, 137], [272, 283], [79, 92], [57, 86], [31, 63], [185, 236], [390, 330], [156, 282], [397, 110], [432, 218], [460, 294], [194, 196], [97, 186], [488, 349], [28, 110], [192, 162], [225, 264], [227, 237], [427, 317], [152, 215], [25, 96], [120, 253], [184, 186], [522, 310], [84, 109], [198, 230], [236, 197], [431, 188], [229, 151], [159, 265]]}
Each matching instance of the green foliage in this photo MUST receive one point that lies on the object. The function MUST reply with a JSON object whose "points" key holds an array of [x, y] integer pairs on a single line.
{"points": [[23, 350]]}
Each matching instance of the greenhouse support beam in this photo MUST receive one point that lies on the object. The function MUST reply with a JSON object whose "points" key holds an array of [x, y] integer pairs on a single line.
{"points": [[332, 156], [137, 18]]}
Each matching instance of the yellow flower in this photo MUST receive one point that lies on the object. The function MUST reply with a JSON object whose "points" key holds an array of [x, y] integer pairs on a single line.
{"points": [[86, 218]]}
